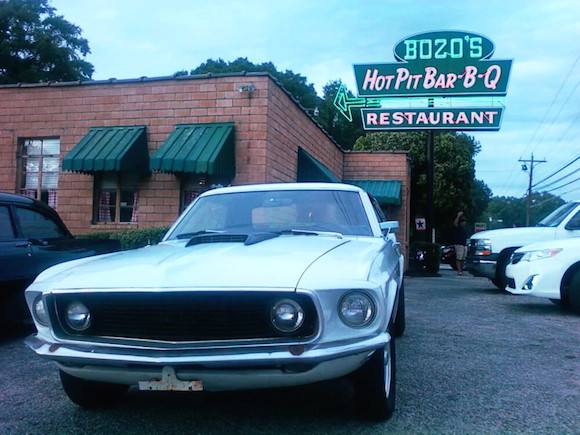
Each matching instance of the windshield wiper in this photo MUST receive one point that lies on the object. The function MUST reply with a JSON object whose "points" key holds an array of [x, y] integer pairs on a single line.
{"points": [[298, 232], [196, 233]]}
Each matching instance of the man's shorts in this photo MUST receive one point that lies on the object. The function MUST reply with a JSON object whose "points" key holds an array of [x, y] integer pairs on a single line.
{"points": [[460, 252]]}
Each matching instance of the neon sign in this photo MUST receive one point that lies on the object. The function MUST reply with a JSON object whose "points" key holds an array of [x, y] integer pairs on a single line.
{"points": [[432, 64], [484, 118]]}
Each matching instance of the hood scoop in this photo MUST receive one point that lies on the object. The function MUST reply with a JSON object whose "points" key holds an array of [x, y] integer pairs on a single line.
{"points": [[231, 238]]}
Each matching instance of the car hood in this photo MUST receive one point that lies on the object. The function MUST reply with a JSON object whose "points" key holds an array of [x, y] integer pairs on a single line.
{"points": [[275, 263], [509, 237]]}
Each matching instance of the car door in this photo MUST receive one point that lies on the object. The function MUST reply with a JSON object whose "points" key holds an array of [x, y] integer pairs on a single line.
{"points": [[44, 234], [15, 253]]}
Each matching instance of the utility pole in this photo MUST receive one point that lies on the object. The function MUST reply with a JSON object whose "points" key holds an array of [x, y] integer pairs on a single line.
{"points": [[529, 201], [430, 163]]}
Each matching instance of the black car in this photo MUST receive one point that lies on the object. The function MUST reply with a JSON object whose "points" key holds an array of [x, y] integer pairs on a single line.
{"points": [[32, 238]]}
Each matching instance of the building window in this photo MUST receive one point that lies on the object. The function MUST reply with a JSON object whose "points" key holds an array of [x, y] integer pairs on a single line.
{"points": [[39, 169], [116, 197], [193, 185]]}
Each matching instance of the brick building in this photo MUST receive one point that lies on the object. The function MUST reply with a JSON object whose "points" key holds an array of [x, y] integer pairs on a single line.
{"points": [[123, 154]]}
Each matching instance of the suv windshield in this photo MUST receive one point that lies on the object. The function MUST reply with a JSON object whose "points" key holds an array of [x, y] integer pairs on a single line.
{"points": [[554, 218], [275, 211]]}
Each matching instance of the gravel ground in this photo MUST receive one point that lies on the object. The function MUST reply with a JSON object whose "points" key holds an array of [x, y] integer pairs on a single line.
{"points": [[473, 360]]}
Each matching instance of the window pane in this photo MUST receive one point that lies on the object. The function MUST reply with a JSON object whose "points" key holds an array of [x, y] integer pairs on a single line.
{"points": [[51, 147], [32, 164], [50, 180], [31, 181], [38, 226], [33, 147], [6, 229], [50, 164]]}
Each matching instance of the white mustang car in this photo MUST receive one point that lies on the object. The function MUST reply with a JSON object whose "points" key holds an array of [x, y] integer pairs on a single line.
{"points": [[549, 270], [253, 287]]}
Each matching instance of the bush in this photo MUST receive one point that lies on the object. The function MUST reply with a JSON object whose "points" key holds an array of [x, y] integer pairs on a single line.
{"points": [[425, 256], [131, 239]]}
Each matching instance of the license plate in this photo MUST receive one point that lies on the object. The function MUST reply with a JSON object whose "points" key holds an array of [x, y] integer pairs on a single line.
{"points": [[170, 382]]}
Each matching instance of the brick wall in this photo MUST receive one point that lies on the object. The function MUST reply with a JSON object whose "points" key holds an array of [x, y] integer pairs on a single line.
{"points": [[384, 165], [289, 127], [68, 111]]}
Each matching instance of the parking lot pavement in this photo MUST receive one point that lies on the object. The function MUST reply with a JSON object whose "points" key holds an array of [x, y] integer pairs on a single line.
{"points": [[473, 360]]}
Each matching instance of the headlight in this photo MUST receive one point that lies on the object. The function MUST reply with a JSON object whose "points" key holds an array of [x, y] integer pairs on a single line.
{"points": [[78, 316], [540, 254], [287, 315], [39, 311], [356, 309], [482, 246]]}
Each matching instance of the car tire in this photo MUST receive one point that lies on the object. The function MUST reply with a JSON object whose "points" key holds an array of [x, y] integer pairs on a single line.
{"points": [[571, 293], [500, 280], [374, 385], [399, 325], [91, 394]]}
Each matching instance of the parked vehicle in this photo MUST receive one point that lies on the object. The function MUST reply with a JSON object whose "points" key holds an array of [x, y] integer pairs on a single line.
{"points": [[547, 270], [448, 256], [33, 238], [490, 251], [253, 287]]}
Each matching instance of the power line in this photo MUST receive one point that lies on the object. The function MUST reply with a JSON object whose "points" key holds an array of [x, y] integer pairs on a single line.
{"points": [[559, 179], [557, 171], [513, 172], [563, 185]]}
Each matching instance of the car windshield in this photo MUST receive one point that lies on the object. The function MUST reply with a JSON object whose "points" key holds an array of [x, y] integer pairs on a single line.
{"points": [[276, 211], [557, 216]]}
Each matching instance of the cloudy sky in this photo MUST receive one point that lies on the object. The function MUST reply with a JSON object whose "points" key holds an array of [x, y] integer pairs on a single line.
{"points": [[322, 39]]}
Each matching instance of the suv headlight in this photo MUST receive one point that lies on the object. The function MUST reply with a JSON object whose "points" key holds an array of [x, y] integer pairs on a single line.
{"points": [[482, 246], [356, 309], [540, 254]]}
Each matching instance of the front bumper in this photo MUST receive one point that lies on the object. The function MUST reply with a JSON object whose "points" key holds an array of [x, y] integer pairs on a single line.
{"points": [[526, 278], [481, 266], [218, 369]]}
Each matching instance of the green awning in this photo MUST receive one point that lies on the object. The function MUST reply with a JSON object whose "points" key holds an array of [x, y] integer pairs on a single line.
{"points": [[198, 149], [384, 191], [116, 149], [310, 169]]}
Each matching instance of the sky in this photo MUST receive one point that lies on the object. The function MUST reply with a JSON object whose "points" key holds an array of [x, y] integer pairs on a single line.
{"points": [[322, 40]]}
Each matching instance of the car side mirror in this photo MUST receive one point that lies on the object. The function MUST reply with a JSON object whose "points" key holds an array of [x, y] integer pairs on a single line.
{"points": [[389, 227]]}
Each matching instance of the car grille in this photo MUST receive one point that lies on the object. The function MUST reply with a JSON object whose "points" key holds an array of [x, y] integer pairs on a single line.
{"points": [[181, 315]]}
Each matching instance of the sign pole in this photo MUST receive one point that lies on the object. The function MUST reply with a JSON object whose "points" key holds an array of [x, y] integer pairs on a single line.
{"points": [[430, 159]]}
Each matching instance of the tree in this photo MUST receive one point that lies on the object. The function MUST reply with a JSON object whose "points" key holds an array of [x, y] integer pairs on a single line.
{"points": [[454, 184], [36, 45], [341, 129], [296, 84], [503, 212]]}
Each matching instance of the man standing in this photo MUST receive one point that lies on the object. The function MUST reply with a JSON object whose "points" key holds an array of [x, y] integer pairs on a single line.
{"points": [[460, 241]]}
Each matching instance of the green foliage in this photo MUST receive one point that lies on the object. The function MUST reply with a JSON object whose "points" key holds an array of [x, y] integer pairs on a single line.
{"points": [[36, 45], [454, 184], [296, 84], [509, 211], [132, 239], [341, 129]]}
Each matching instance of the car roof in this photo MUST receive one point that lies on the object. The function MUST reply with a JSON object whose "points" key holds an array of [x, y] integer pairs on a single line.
{"points": [[14, 198], [284, 187]]}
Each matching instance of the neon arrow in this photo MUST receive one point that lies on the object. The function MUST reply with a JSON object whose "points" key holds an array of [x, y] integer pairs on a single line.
{"points": [[344, 103]]}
